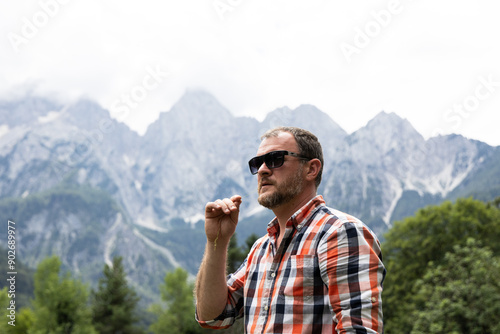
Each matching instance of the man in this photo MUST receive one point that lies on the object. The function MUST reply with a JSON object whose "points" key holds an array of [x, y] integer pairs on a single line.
{"points": [[318, 270]]}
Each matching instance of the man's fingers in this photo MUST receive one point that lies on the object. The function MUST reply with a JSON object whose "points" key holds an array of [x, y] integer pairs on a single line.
{"points": [[226, 205], [236, 199], [229, 206], [220, 205], [211, 206]]}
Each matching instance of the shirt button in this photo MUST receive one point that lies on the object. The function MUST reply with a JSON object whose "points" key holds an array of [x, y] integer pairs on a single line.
{"points": [[374, 299], [273, 275], [266, 308]]}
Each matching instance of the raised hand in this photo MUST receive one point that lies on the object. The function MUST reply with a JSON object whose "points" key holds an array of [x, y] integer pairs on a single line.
{"points": [[221, 218]]}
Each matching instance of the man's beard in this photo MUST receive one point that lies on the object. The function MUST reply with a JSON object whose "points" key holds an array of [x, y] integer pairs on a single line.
{"points": [[284, 192]]}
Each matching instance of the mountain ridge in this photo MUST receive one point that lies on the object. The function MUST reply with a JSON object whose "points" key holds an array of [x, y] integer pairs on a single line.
{"points": [[156, 185]]}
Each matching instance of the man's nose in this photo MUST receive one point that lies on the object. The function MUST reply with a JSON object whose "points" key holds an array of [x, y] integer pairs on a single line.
{"points": [[264, 170]]}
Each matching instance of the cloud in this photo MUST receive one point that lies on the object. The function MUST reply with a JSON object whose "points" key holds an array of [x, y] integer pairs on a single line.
{"points": [[262, 55]]}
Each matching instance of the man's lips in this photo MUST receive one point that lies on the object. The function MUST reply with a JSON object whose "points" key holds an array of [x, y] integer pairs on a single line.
{"points": [[265, 183]]}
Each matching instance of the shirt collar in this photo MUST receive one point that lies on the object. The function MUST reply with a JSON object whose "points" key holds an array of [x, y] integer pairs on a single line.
{"points": [[300, 217]]}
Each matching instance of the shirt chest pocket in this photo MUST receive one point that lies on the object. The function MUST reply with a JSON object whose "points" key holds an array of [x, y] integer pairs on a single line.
{"points": [[301, 275]]}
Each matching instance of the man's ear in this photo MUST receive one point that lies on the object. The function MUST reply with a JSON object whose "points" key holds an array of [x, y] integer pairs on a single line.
{"points": [[314, 166]]}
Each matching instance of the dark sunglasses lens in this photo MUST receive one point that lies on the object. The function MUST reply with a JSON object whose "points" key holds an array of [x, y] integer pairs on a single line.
{"points": [[274, 159], [255, 164]]}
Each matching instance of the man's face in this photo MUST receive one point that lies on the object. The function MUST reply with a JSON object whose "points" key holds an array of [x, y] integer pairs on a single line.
{"points": [[278, 186]]}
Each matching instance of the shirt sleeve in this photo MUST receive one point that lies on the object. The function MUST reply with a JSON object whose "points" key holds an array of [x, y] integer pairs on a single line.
{"points": [[352, 269], [234, 305]]}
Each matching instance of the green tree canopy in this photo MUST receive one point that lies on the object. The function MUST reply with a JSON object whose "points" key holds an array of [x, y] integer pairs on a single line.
{"points": [[24, 321], [114, 303], [60, 304], [178, 315], [461, 295], [4, 303], [414, 243]]}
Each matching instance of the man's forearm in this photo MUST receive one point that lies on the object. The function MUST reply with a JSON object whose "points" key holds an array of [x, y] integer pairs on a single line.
{"points": [[211, 287]]}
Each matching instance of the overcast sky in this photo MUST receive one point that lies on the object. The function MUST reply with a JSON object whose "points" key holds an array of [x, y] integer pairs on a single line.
{"points": [[435, 63]]}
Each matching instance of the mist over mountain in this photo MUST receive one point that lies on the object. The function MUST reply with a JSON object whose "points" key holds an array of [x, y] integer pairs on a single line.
{"points": [[84, 186]]}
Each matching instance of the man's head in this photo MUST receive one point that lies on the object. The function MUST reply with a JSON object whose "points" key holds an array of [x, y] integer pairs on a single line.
{"points": [[307, 144], [292, 169]]}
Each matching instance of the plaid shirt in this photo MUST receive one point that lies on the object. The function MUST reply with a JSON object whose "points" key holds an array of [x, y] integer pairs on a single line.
{"points": [[326, 276]]}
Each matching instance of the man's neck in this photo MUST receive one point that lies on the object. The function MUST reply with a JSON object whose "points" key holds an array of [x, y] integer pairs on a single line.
{"points": [[284, 212]]}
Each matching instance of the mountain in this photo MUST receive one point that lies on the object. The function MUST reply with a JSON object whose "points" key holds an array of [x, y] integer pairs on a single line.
{"points": [[84, 186], [386, 170]]}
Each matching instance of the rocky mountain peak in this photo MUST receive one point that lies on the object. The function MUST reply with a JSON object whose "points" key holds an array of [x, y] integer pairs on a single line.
{"points": [[386, 132], [199, 103], [308, 117], [198, 152], [26, 111], [305, 116], [192, 116], [86, 114], [390, 123]]}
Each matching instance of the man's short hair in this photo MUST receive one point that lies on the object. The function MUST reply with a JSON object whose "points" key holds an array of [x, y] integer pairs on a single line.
{"points": [[307, 142]]}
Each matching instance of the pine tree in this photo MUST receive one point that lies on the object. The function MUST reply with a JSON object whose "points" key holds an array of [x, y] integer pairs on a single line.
{"points": [[235, 255], [114, 303]]}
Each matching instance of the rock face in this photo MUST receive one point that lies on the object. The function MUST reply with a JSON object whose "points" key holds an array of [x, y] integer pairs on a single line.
{"points": [[85, 187]]}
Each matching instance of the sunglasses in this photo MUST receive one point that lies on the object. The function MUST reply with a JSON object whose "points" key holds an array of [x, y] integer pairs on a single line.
{"points": [[272, 160]]}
